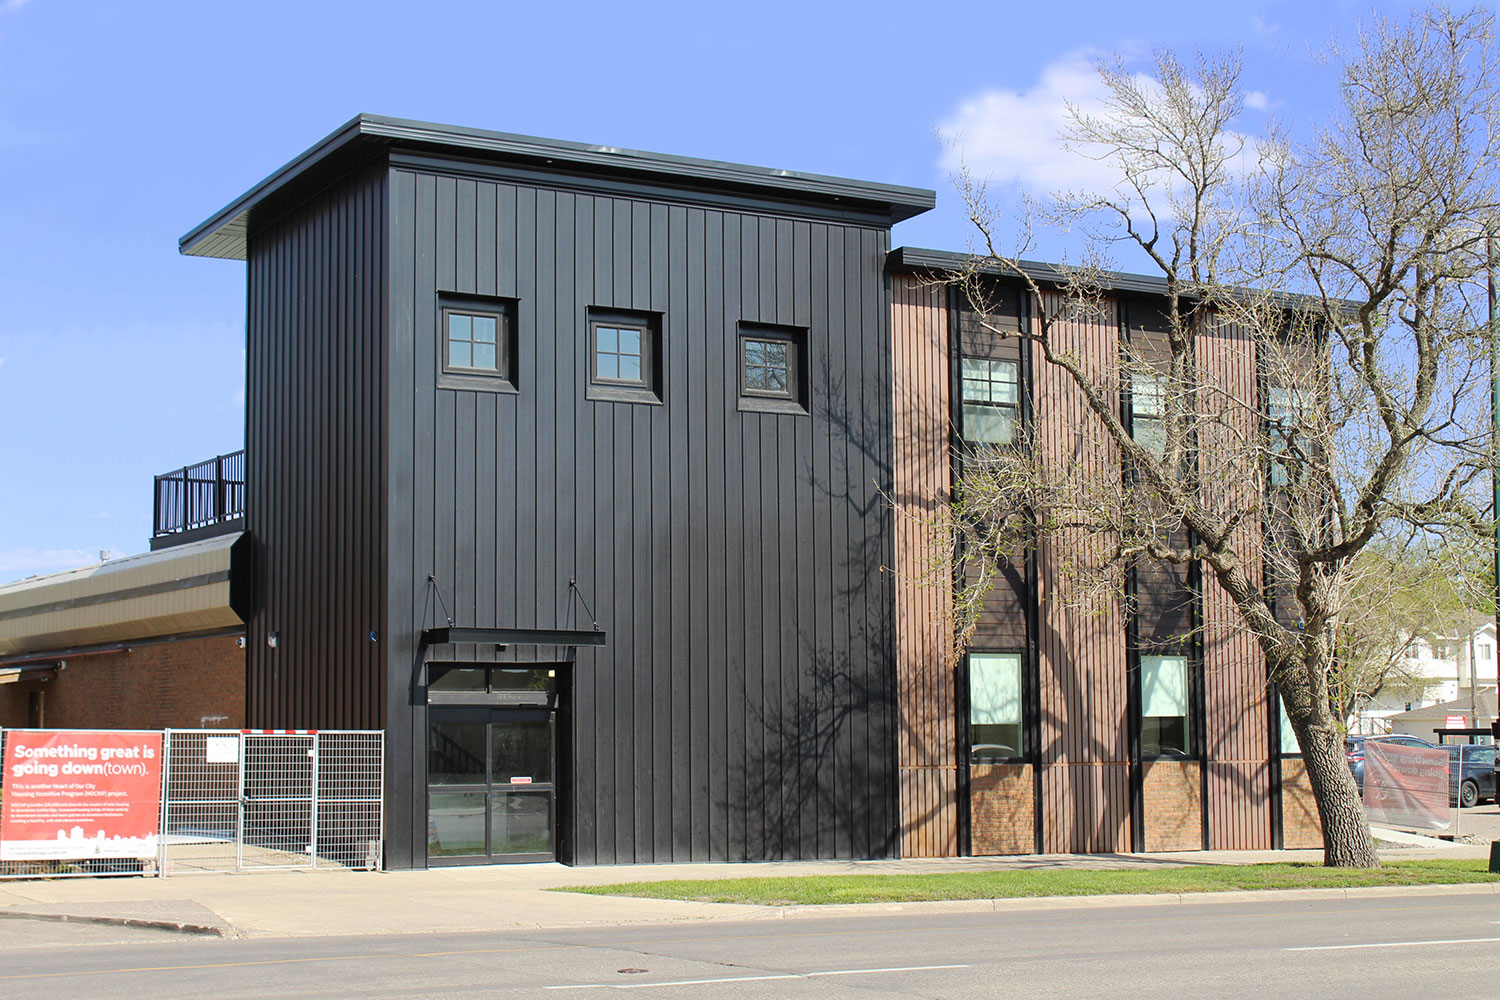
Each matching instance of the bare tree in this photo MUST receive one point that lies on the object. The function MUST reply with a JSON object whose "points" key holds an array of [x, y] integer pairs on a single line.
{"points": [[1366, 415]]}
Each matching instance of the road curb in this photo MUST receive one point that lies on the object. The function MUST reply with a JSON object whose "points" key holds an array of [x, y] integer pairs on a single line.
{"points": [[178, 926]]}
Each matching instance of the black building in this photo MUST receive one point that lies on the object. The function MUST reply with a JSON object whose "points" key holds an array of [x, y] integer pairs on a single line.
{"points": [[565, 468]]}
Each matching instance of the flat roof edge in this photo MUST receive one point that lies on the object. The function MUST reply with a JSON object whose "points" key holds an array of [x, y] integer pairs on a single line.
{"points": [[223, 234]]}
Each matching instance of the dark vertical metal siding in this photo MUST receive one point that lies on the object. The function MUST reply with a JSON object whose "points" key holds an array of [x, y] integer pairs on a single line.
{"points": [[743, 706], [314, 463]]}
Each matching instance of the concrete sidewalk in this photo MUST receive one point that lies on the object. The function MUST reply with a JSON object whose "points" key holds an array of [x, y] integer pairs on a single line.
{"points": [[505, 897]]}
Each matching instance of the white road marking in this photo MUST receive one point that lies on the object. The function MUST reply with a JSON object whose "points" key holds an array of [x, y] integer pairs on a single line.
{"points": [[753, 979], [1393, 944]]}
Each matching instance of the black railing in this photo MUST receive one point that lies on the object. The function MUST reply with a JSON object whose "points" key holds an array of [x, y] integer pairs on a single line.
{"points": [[199, 495]]}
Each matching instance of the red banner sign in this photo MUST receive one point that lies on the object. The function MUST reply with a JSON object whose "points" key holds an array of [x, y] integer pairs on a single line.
{"points": [[80, 794], [1406, 786]]}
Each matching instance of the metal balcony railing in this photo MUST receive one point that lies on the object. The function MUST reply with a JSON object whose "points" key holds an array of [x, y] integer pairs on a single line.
{"points": [[196, 496]]}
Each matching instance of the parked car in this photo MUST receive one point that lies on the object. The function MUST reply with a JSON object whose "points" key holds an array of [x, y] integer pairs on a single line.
{"points": [[1354, 748], [1471, 773]]}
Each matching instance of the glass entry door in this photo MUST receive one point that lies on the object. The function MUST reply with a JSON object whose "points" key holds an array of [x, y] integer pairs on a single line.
{"points": [[491, 791]]}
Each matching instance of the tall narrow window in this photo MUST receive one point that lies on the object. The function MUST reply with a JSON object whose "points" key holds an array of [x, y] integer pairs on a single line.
{"points": [[1289, 744], [995, 720], [1283, 418], [1164, 706], [1148, 412], [991, 400]]}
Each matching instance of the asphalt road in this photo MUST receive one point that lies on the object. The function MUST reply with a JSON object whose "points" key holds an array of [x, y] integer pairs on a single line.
{"points": [[1368, 947]]}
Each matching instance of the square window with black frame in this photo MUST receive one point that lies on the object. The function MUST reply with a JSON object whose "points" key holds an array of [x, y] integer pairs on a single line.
{"points": [[624, 356], [1164, 706], [477, 343], [773, 368], [995, 727], [991, 401]]}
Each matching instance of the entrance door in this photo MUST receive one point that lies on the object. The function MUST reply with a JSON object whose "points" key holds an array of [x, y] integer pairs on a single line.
{"points": [[491, 791]]}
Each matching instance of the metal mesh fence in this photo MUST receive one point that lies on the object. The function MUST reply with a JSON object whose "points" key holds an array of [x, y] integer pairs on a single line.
{"points": [[246, 801]]}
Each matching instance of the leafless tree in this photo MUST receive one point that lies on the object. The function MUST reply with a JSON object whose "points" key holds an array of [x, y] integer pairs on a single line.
{"points": [[1348, 262]]}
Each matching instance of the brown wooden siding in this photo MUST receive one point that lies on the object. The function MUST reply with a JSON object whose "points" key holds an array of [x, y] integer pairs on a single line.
{"points": [[1085, 736], [926, 716], [1237, 740], [315, 497]]}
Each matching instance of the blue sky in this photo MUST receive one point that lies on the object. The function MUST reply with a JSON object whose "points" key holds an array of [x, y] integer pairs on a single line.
{"points": [[124, 125]]}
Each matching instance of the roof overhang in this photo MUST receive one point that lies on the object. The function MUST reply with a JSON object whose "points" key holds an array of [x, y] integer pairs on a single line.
{"points": [[366, 137], [181, 590], [514, 636]]}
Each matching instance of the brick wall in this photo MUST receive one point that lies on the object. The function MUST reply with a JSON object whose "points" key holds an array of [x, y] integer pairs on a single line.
{"points": [[1172, 800], [189, 684], [1300, 826], [1003, 809]]}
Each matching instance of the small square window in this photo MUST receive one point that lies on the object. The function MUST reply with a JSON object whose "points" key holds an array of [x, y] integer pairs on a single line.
{"points": [[477, 343], [624, 356], [991, 400], [773, 368]]}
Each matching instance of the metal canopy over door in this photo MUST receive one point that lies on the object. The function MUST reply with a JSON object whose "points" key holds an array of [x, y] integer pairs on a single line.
{"points": [[491, 784]]}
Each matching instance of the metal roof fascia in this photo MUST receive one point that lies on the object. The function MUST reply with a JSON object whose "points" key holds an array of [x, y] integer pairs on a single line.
{"points": [[204, 239]]}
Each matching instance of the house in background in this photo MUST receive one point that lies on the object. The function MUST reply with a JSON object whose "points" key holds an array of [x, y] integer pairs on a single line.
{"points": [[570, 468], [1434, 669]]}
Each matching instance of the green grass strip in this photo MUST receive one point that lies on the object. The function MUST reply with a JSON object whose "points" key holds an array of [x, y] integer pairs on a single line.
{"points": [[1016, 883]]}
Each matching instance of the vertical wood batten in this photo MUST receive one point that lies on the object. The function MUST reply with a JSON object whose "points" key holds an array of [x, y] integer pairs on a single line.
{"points": [[925, 720], [1237, 740], [1084, 752]]}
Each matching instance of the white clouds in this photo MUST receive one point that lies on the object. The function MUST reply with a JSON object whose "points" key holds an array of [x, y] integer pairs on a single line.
{"points": [[17, 563], [1013, 136], [12, 4]]}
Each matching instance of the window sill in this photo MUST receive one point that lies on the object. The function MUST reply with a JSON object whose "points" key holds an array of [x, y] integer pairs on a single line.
{"points": [[621, 394], [476, 383], [771, 404]]}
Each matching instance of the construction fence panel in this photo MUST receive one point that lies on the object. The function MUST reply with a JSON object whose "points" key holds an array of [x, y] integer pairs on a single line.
{"points": [[253, 800]]}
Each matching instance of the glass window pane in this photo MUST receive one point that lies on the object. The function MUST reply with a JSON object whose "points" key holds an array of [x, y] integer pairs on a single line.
{"points": [[630, 340], [455, 678], [484, 356], [460, 355], [630, 367], [608, 339], [484, 329], [521, 750], [1150, 434], [1163, 736], [976, 390], [994, 688], [522, 679], [755, 352], [609, 365], [520, 823], [1147, 395], [460, 327], [1164, 686], [455, 753], [1289, 742], [975, 368], [988, 424], [455, 824]]}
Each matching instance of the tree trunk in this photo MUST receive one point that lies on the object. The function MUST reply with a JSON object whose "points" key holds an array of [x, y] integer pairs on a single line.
{"points": [[1346, 833]]}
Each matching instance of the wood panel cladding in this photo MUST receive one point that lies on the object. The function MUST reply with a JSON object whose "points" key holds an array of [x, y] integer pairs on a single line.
{"points": [[925, 694], [1003, 804], [1237, 720], [1172, 805], [1084, 749]]}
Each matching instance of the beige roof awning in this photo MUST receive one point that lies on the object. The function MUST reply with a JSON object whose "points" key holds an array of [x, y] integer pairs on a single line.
{"points": [[173, 591]]}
